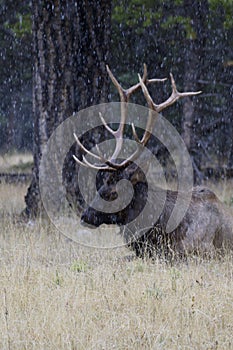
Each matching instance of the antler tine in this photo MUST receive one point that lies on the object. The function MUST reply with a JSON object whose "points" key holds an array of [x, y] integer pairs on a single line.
{"points": [[100, 157], [97, 166], [106, 125], [145, 91], [135, 133], [131, 158], [109, 165], [151, 118], [126, 93], [79, 161], [175, 95], [145, 81], [87, 164], [86, 150], [182, 94], [117, 85], [135, 87], [124, 98]]}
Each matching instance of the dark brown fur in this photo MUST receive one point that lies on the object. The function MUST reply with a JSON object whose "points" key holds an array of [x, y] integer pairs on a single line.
{"points": [[206, 227]]}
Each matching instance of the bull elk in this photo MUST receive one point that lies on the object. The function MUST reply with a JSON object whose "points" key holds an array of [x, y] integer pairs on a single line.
{"points": [[206, 226]]}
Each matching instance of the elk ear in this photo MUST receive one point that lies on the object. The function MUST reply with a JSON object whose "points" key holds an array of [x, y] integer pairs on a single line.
{"points": [[137, 172]]}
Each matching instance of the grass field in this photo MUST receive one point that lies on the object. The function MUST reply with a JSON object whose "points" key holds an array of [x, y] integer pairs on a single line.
{"points": [[56, 294], [15, 162]]}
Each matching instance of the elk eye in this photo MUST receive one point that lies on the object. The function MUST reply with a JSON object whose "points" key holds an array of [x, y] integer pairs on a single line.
{"points": [[109, 195], [113, 196]]}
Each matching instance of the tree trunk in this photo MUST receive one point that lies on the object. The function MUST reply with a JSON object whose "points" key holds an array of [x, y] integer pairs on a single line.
{"points": [[194, 52], [230, 157], [71, 49]]}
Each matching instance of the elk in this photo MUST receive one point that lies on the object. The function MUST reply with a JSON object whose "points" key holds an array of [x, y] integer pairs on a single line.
{"points": [[206, 227]]}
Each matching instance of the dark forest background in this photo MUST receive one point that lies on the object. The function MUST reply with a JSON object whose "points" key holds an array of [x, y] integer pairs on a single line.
{"points": [[193, 40]]}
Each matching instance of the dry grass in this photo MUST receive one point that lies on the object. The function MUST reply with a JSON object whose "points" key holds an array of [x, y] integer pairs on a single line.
{"points": [[16, 162], [12, 198], [55, 294]]}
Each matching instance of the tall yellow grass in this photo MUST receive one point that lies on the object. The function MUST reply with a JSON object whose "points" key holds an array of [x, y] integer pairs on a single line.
{"points": [[55, 294]]}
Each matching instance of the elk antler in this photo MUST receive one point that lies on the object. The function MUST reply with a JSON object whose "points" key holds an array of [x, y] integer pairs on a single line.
{"points": [[175, 95], [124, 97], [110, 164]]}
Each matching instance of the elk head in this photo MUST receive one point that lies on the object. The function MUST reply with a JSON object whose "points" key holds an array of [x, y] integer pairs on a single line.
{"points": [[112, 172]]}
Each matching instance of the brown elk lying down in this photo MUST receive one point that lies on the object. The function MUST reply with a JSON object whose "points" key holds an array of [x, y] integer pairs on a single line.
{"points": [[206, 227]]}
